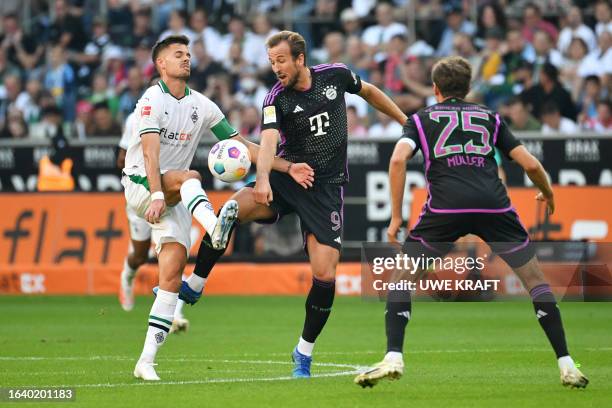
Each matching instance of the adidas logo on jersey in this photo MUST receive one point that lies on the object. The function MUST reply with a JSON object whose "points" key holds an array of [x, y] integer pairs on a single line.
{"points": [[541, 314], [297, 109], [338, 240]]}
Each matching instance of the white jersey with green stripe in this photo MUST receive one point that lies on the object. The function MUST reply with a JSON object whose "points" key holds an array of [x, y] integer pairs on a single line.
{"points": [[180, 124]]}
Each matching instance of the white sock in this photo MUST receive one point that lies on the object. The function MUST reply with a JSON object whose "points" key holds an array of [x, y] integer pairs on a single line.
{"points": [[394, 356], [178, 311], [160, 322], [196, 282], [194, 198], [128, 273], [566, 362], [304, 347]]}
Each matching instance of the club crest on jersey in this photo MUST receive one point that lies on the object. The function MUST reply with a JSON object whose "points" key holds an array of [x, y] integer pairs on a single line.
{"points": [[194, 114], [330, 92]]}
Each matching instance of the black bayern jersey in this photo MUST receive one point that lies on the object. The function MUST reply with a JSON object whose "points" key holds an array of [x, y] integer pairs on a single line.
{"points": [[458, 139], [312, 123]]}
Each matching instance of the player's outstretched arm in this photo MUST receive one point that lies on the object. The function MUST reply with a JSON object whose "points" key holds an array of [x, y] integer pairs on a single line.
{"points": [[397, 181], [302, 173], [536, 173], [381, 102], [150, 150]]}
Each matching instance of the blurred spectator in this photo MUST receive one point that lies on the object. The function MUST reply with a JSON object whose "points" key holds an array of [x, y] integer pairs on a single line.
{"points": [[575, 29], [385, 127], [142, 60], [375, 37], [103, 122], [333, 49], [588, 100], [249, 124], [522, 77], [455, 23], [61, 81], [602, 122], [350, 22], [255, 51], [237, 35], [250, 90], [101, 92], [120, 21], [204, 68], [142, 33], [576, 53], [545, 50], [554, 123], [50, 124], [520, 118], [66, 29], [532, 22], [394, 64], [235, 63], [325, 19], [14, 126], [114, 66], [356, 58], [356, 130], [603, 15], [131, 94], [27, 101], [211, 37], [177, 25], [91, 58], [84, 121], [22, 50], [11, 89], [549, 90], [219, 91], [518, 50], [463, 46], [490, 15], [599, 62], [6, 68], [492, 56]]}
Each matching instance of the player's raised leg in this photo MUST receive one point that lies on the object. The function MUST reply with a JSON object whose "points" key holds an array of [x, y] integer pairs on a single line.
{"points": [[208, 255], [549, 316], [137, 256], [323, 262], [172, 259]]}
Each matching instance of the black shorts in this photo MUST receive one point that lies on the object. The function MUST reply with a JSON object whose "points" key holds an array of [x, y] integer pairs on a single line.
{"points": [[502, 231], [319, 208]]}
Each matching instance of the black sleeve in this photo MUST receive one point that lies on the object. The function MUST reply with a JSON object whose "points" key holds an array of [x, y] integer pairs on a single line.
{"points": [[411, 132], [270, 116], [505, 139], [351, 80]]}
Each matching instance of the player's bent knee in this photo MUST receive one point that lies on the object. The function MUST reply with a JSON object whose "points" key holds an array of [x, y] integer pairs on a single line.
{"points": [[326, 274], [193, 174]]}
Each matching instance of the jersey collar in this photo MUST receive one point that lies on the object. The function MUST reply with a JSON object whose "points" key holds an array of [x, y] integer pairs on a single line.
{"points": [[452, 99], [165, 89]]}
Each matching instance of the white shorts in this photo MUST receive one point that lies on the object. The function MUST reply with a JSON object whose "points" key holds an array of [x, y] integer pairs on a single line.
{"points": [[175, 222], [140, 230]]}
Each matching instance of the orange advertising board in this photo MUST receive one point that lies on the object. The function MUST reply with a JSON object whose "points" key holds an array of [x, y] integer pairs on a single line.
{"points": [[75, 243]]}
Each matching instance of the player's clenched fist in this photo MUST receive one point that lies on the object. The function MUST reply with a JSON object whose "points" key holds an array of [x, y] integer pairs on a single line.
{"points": [[155, 210], [302, 173], [263, 192]]}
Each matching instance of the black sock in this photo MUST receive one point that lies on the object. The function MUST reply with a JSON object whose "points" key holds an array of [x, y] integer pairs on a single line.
{"points": [[208, 256], [397, 316], [318, 307], [549, 317]]}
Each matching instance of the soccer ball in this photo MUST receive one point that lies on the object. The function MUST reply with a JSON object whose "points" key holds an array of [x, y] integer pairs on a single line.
{"points": [[229, 160]]}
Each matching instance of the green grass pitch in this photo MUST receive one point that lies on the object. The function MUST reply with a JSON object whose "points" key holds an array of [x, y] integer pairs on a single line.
{"points": [[237, 354]]}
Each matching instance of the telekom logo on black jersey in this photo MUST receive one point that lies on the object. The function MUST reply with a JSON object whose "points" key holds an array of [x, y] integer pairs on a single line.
{"points": [[318, 123]]}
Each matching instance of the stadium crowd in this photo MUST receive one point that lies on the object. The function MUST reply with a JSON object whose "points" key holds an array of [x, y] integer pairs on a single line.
{"points": [[545, 65]]}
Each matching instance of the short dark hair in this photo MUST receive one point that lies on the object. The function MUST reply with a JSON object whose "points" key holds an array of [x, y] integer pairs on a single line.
{"points": [[550, 71], [296, 42], [452, 76], [515, 100], [166, 42], [550, 107], [592, 78]]}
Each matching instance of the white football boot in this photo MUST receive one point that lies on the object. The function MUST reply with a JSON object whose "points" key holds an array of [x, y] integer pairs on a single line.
{"points": [[390, 369], [146, 371], [225, 220]]}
